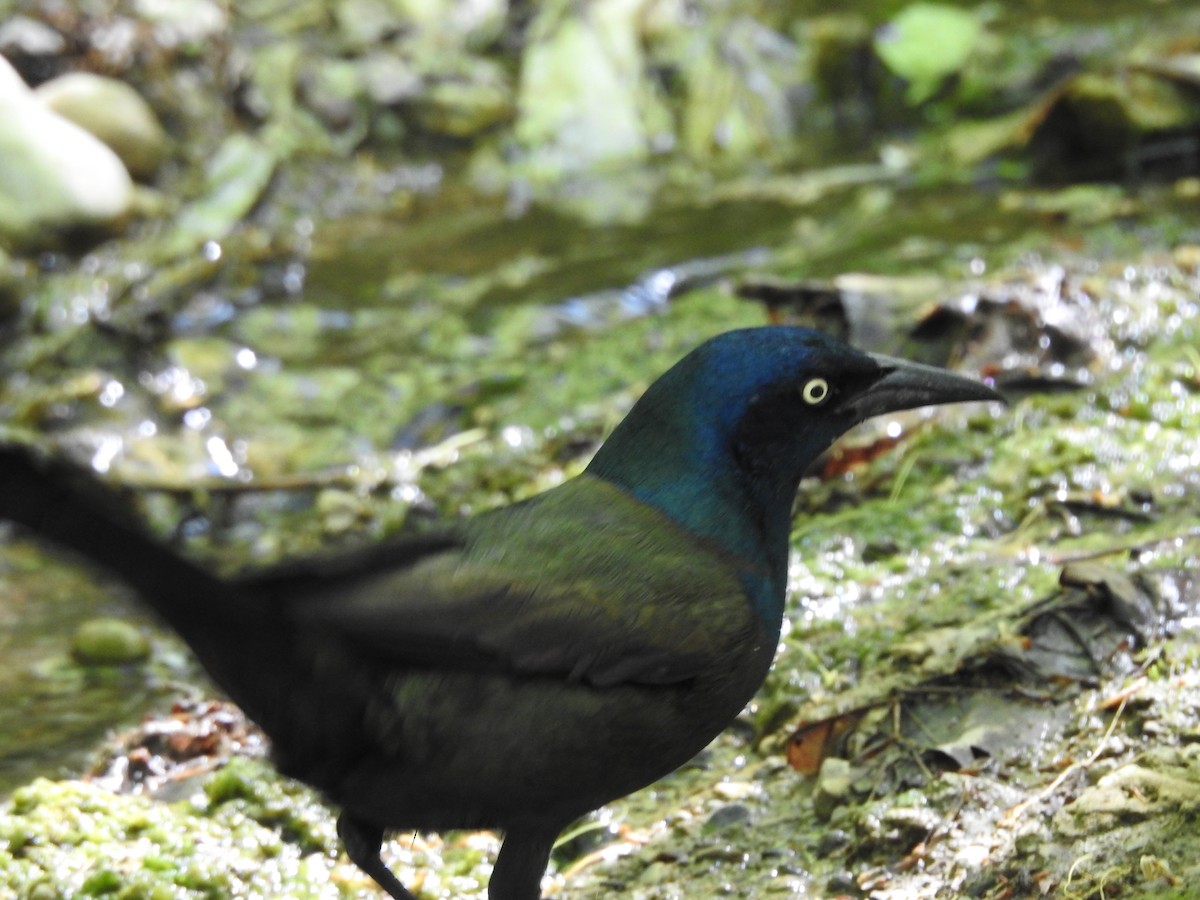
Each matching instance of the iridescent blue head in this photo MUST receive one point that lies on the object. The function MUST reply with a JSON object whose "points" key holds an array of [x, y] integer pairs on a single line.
{"points": [[721, 440]]}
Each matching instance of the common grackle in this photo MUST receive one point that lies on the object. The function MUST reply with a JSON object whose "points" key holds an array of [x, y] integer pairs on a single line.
{"points": [[543, 658]]}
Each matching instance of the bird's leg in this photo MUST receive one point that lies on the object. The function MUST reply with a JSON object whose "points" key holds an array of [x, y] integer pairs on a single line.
{"points": [[521, 864], [362, 841]]}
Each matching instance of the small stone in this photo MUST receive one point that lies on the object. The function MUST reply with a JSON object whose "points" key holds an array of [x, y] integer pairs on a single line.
{"points": [[833, 786], [726, 816], [109, 642], [736, 790], [29, 37], [112, 111], [183, 22]]}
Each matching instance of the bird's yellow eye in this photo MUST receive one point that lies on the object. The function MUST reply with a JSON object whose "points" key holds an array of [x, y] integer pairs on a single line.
{"points": [[815, 392]]}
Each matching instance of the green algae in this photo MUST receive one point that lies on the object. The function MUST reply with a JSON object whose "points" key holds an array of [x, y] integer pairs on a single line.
{"points": [[70, 838]]}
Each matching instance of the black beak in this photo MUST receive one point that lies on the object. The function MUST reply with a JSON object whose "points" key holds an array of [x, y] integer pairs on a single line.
{"points": [[907, 385]]}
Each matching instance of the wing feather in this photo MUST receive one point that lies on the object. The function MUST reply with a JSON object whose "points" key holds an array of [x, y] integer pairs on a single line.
{"points": [[583, 582]]}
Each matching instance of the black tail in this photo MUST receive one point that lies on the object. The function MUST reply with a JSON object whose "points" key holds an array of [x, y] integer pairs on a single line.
{"points": [[304, 686], [229, 628], [63, 505]]}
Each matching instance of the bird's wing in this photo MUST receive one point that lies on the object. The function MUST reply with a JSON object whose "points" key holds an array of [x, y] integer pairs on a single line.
{"points": [[582, 583]]}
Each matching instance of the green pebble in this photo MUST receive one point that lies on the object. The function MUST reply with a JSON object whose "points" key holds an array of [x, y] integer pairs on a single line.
{"points": [[109, 642]]}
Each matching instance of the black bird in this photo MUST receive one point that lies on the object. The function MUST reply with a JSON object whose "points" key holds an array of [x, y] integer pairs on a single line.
{"points": [[544, 658]]}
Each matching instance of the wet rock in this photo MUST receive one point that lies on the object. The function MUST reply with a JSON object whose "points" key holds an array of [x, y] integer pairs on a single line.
{"points": [[113, 112], [33, 48], [56, 176], [389, 79], [470, 23], [183, 22], [728, 816], [579, 101], [1166, 781], [743, 81], [889, 830], [366, 23], [23, 37], [834, 784]]}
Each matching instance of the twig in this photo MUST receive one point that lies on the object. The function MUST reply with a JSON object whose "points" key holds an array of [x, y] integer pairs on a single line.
{"points": [[1009, 819]]}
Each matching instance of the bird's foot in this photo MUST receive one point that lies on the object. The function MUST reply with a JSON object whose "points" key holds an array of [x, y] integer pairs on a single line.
{"points": [[521, 864], [362, 841]]}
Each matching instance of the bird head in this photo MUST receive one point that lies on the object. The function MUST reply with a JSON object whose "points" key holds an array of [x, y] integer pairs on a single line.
{"points": [[721, 440]]}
